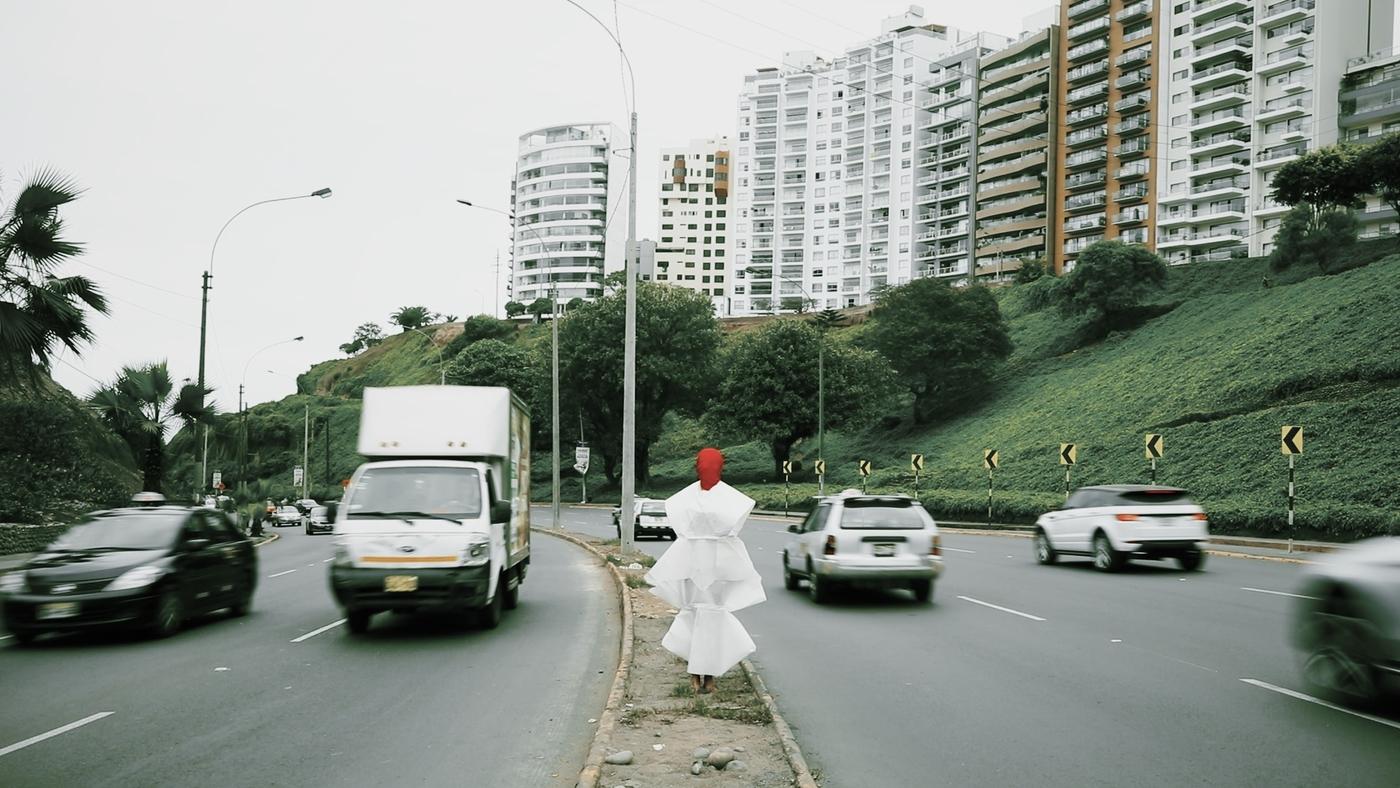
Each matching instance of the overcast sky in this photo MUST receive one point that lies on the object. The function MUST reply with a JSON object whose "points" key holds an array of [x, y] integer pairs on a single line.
{"points": [[174, 115]]}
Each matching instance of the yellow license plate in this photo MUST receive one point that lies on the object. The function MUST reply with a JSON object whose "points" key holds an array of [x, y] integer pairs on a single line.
{"points": [[54, 610], [401, 583]]}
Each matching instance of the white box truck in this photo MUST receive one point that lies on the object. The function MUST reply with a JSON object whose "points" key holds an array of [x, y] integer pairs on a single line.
{"points": [[439, 518]]}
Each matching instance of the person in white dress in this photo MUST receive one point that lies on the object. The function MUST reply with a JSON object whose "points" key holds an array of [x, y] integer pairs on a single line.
{"points": [[706, 574]]}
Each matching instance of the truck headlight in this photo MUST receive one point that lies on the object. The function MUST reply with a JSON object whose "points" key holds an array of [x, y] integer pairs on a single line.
{"points": [[476, 554], [13, 583], [140, 577]]}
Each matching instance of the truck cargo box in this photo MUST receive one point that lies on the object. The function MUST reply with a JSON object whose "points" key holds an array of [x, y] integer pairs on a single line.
{"points": [[446, 422]]}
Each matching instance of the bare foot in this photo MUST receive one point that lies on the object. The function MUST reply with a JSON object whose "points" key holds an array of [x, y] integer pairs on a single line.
{"points": [[695, 685], [710, 684]]}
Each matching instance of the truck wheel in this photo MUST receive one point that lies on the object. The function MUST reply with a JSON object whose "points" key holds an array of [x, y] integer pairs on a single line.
{"points": [[358, 621], [512, 595], [489, 617]]}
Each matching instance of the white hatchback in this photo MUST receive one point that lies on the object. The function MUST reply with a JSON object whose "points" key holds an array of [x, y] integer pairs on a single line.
{"points": [[1113, 523], [854, 539]]}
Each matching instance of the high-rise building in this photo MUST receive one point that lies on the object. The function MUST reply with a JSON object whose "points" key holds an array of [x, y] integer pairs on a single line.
{"points": [[692, 250], [824, 171], [1370, 109], [1251, 85], [1109, 130], [1017, 216], [568, 229]]}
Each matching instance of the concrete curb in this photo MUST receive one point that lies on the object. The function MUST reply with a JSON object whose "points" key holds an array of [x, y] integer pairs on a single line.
{"points": [[592, 770], [268, 539], [790, 748]]}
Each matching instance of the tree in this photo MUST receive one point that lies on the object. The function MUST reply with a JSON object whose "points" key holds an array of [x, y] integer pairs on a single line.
{"points": [[140, 408], [477, 328], [770, 387], [615, 281], [828, 319], [514, 309], [1328, 179], [491, 362], [1031, 270], [367, 335], [1109, 282], [411, 317], [573, 304], [442, 318], [40, 311], [677, 337], [1302, 240], [1381, 162], [944, 343], [540, 307]]}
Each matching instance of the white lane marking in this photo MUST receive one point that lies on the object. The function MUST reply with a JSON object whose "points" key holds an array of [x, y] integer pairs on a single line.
{"points": [[327, 560], [1276, 593], [959, 550], [1319, 701], [313, 633], [55, 732], [279, 574], [999, 607]]}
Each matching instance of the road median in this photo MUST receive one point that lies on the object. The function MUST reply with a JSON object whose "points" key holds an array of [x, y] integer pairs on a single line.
{"points": [[655, 731]]}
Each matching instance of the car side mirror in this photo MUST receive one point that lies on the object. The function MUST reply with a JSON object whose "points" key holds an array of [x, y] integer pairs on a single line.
{"points": [[500, 512], [196, 544], [794, 529]]}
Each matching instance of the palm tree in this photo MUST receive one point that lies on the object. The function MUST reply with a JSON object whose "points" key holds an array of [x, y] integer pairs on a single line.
{"points": [[39, 311], [411, 317], [139, 406]]}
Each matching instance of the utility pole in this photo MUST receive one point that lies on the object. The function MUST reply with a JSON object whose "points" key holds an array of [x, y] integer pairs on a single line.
{"points": [[305, 449], [629, 355], [203, 330], [554, 376], [326, 430]]}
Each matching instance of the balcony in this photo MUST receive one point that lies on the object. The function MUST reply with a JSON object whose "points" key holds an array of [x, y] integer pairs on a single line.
{"points": [[1095, 92], [1133, 171], [1224, 142], [1081, 202], [1134, 56], [1133, 79], [1237, 164], [1231, 48], [1086, 136], [1134, 12], [1086, 223], [1286, 12], [1285, 60], [1087, 50], [1089, 28], [1087, 71], [1219, 98], [1087, 114], [1132, 126], [1084, 180], [1277, 157], [1219, 120], [1138, 102], [1086, 158], [1133, 193], [1131, 216], [1221, 188], [1231, 236], [1222, 28], [1211, 9], [1220, 74], [1086, 7], [1282, 109]]}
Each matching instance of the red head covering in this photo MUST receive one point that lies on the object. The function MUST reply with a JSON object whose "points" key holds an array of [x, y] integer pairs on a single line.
{"points": [[708, 465]]}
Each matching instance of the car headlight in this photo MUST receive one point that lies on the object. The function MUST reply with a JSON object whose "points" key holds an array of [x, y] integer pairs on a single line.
{"points": [[140, 577], [13, 583], [476, 554]]}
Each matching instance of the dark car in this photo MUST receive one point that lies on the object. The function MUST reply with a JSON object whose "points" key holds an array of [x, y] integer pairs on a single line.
{"points": [[143, 568], [321, 519]]}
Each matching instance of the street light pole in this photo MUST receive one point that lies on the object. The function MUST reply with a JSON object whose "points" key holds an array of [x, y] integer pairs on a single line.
{"points": [[442, 372], [207, 278], [243, 416], [554, 342]]}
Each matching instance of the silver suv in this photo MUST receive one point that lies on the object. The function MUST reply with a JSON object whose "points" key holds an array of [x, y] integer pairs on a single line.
{"points": [[854, 539]]}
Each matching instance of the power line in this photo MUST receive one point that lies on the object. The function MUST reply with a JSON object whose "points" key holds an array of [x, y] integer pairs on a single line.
{"points": [[136, 281]]}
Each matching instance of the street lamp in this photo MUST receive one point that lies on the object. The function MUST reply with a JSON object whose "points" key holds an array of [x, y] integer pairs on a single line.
{"points": [[242, 416], [554, 342], [629, 342], [208, 277], [442, 373], [821, 385], [305, 437]]}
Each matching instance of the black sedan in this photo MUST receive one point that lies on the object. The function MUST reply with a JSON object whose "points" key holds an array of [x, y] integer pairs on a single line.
{"points": [[146, 568]]}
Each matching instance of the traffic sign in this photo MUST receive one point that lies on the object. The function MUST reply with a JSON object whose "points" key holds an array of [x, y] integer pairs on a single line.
{"points": [[296, 475], [1292, 442], [864, 466], [1069, 453], [581, 457], [820, 467], [916, 462], [1152, 446], [989, 459], [218, 480], [787, 467]]}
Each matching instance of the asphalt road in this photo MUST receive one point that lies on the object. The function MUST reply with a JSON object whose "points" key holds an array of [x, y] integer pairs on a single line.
{"points": [[278, 699], [1152, 676]]}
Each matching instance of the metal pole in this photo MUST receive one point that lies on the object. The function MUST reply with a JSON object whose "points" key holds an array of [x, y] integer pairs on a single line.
{"points": [[554, 376], [203, 332], [821, 408], [629, 353], [1067, 467], [786, 504], [1154, 470], [989, 497], [305, 449], [1290, 503], [326, 431], [242, 434]]}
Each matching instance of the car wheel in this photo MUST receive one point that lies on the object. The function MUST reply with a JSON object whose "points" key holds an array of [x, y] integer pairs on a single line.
{"points": [[512, 596], [308, 530], [358, 621], [240, 607], [24, 637], [923, 590], [1191, 561], [1106, 559], [170, 613], [489, 617], [1337, 662], [790, 581], [818, 589], [1044, 553]]}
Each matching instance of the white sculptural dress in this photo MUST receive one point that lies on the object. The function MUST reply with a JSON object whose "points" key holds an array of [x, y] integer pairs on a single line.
{"points": [[707, 575]]}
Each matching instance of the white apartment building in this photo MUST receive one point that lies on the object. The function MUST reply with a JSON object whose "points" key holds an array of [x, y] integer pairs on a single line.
{"points": [[692, 249], [1251, 84], [1370, 98], [824, 171], [564, 197]]}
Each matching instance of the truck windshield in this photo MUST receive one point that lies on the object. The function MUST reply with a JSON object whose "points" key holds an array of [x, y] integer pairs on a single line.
{"points": [[452, 493]]}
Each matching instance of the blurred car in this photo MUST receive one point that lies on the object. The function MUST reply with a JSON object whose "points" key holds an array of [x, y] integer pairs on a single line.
{"points": [[1117, 522], [147, 567], [650, 519], [1347, 622], [321, 520], [860, 540], [286, 515], [305, 505]]}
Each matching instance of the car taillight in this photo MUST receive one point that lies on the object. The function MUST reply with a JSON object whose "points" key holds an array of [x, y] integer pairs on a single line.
{"points": [[936, 546], [1127, 518], [1199, 516], [830, 547]]}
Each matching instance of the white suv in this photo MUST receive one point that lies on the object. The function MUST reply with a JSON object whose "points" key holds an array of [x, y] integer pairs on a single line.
{"points": [[883, 541], [1113, 523]]}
